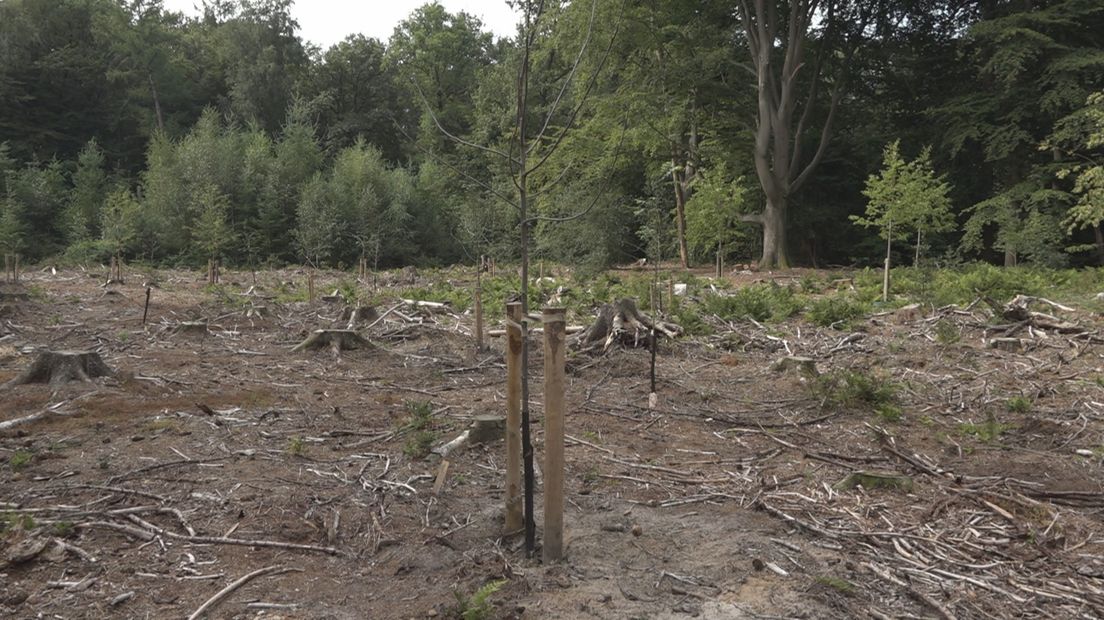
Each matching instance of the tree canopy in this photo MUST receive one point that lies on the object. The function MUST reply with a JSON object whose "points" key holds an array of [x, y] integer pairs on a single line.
{"points": [[665, 128]]}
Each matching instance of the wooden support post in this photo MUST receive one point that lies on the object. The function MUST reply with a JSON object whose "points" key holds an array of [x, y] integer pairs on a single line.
{"points": [[492, 267], [670, 295], [17, 257], [514, 520], [554, 362], [145, 311], [310, 285], [8, 276], [478, 309]]}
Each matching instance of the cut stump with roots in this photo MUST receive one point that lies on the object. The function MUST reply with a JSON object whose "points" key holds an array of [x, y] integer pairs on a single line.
{"points": [[60, 367], [336, 339], [623, 323]]}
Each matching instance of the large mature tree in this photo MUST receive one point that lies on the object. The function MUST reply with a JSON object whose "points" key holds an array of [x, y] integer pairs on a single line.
{"points": [[797, 49], [1036, 63]]}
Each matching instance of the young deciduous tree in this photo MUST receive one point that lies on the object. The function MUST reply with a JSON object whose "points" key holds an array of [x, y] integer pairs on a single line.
{"points": [[906, 199], [120, 214], [713, 219]]}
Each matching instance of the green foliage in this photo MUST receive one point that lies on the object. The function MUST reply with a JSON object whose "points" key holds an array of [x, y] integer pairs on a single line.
{"points": [[713, 213], [11, 225], [988, 431], [419, 444], [856, 389], [760, 302], [836, 311], [87, 196], [20, 459], [478, 605], [947, 333], [906, 199], [296, 446], [1018, 404], [13, 521]]}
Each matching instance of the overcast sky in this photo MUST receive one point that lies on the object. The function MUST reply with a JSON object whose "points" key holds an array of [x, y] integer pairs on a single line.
{"points": [[325, 22]]}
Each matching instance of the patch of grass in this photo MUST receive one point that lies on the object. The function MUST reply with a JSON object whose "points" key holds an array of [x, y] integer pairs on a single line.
{"points": [[1018, 404], [836, 311], [20, 459], [296, 446], [478, 605]]}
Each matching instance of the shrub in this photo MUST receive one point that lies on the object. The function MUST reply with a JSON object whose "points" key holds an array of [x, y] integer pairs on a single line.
{"points": [[837, 309], [761, 302]]}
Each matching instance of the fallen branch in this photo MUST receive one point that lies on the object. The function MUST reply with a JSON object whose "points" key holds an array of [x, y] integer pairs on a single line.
{"points": [[228, 590]]}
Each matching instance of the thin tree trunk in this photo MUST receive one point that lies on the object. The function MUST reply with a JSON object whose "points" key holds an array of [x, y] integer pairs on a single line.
{"points": [[1010, 258], [916, 261], [680, 214], [885, 275], [523, 209], [156, 103]]}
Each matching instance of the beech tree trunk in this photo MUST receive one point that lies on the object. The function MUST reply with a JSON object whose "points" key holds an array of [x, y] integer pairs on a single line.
{"points": [[777, 44], [680, 215]]}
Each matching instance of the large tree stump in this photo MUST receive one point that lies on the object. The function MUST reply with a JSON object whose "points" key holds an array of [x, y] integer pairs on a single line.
{"points": [[59, 367], [337, 339], [622, 322]]}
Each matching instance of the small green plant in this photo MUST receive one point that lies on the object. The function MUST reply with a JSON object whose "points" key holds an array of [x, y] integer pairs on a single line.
{"points": [[421, 414], [842, 585], [1018, 404], [836, 311], [124, 336], [20, 459], [478, 605], [591, 475], [64, 529], [12, 521], [857, 389], [761, 302], [419, 444], [947, 333], [296, 446], [888, 412], [988, 431]]}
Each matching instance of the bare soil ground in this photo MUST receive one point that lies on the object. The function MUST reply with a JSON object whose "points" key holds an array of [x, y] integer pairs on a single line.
{"points": [[215, 453]]}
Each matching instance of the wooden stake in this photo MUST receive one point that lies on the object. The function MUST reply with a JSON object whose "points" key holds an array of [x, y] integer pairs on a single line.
{"points": [[554, 363], [478, 309], [670, 295], [310, 285], [514, 520], [149, 289]]}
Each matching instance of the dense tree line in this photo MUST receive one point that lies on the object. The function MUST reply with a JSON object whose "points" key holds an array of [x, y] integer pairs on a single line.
{"points": [[790, 132]]}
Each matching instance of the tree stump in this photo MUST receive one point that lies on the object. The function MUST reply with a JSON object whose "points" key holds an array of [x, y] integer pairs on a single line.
{"points": [[59, 367], [622, 322], [354, 316], [337, 339]]}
